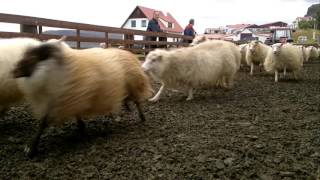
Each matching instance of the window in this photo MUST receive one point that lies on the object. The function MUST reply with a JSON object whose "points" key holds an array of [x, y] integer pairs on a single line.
{"points": [[133, 23], [144, 23], [170, 25]]}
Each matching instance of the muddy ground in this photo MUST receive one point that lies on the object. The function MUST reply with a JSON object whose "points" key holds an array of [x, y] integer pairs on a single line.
{"points": [[258, 130]]}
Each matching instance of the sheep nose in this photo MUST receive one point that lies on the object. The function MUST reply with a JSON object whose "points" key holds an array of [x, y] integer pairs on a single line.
{"points": [[144, 68]]}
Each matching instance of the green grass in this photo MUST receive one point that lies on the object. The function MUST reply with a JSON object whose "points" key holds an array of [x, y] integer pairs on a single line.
{"points": [[306, 32]]}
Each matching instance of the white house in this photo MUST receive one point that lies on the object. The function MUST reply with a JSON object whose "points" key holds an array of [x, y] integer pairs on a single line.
{"points": [[139, 19]]}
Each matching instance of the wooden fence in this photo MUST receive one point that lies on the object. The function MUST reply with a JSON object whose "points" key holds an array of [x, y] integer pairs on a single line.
{"points": [[32, 27]]}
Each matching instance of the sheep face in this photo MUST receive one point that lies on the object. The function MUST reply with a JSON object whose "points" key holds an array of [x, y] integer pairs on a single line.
{"points": [[276, 48], [253, 46], [33, 57], [243, 47], [154, 63]]}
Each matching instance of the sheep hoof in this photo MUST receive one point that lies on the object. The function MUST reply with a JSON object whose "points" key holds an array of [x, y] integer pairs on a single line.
{"points": [[30, 152], [189, 98], [154, 99]]}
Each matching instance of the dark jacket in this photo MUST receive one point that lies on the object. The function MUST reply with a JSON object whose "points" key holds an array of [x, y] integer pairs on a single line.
{"points": [[189, 31], [153, 26]]}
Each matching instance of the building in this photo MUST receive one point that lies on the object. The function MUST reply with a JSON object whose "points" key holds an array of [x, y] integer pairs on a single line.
{"points": [[298, 19], [220, 30], [139, 18], [274, 24], [234, 29]]}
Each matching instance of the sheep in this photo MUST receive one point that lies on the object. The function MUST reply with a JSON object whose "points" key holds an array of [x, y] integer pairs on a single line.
{"points": [[283, 57], [190, 67], [197, 40], [63, 83], [312, 52], [243, 50], [303, 52], [256, 54], [102, 45], [11, 51]]}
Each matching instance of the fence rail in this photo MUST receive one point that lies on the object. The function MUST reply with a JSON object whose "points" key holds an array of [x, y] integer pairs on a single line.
{"points": [[127, 41]]}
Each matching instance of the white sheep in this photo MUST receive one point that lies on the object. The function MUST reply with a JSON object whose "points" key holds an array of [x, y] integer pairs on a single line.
{"points": [[284, 57], [243, 51], [303, 52], [312, 52], [197, 40], [103, 45], [203, 65], [63, 83], [256, 54], [11, 51]]}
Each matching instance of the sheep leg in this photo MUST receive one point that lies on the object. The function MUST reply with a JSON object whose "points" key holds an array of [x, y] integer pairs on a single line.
{"points": [[284, 72], [157, 96], [276, 76], [141, 115], [126, 105], [228, 83], [190, 94], [295, 75], [251, 68], [81, 127], [32, 148]]}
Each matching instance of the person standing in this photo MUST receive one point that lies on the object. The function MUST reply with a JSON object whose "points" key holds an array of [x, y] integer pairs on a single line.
{"points": [[153, 26], [189, 31]]}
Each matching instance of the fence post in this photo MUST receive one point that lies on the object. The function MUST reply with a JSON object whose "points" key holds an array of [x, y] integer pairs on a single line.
{"points": [[78, 38], [40, 29], [107, 39]]}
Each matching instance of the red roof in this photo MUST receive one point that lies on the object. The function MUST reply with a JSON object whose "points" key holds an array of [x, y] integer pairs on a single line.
{"points": [[148, 12], [278, 23]]}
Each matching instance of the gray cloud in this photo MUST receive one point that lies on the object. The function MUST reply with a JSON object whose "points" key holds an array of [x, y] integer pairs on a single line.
{"points": [[312, 1]]}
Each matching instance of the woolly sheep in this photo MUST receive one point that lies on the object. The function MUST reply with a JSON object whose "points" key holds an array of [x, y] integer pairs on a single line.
{"points": [[198, 40], [312, 52], [283, 57], [243, 51], [191, 67], [11, 51], [303, 53], [63, 83], [256, 54]]}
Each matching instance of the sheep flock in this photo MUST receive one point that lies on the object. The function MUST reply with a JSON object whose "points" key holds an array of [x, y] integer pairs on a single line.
{"points": [[62, 84]]}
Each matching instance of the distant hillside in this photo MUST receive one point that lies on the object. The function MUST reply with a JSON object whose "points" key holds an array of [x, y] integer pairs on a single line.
{"points": [[312, 10], [85, 34]]}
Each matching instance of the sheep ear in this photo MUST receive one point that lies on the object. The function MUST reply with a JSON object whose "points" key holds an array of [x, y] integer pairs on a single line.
{"points": [[63, 38]]}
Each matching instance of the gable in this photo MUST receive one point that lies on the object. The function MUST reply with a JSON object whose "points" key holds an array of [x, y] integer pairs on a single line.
{"points": [[137, 13]]}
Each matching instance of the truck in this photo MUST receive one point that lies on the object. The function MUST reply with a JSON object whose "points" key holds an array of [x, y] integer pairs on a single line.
{"points": [[280, 34]]}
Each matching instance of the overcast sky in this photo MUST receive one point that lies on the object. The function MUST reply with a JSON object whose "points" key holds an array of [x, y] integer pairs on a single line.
{"points": [[207, 13]]}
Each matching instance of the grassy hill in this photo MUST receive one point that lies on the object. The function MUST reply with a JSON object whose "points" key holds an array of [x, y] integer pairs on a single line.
{"points": [[308, 33]]}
